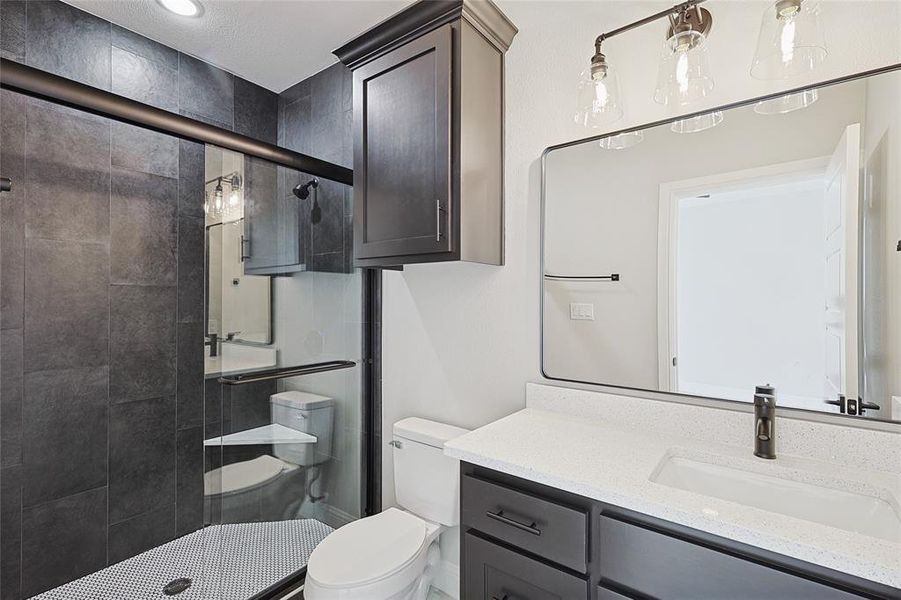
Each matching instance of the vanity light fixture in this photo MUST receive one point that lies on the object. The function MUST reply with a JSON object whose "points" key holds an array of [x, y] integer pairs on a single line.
{"points": [[183, 8], [791, 40], [683, 76]]}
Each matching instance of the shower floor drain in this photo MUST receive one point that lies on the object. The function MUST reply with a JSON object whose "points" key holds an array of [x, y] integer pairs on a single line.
{"points": [[176, 586]]}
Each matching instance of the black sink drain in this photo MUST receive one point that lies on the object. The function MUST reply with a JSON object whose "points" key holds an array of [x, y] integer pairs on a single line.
{"points": [[176, 586]]}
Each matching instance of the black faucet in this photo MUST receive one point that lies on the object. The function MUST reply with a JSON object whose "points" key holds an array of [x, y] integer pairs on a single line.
{"points": [[213, 343], [765, 421]]}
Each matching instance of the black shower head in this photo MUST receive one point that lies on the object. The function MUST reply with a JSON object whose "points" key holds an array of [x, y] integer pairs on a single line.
{"points": [[302, 190]]}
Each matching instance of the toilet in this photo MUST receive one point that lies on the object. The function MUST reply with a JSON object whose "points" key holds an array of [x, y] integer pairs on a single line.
{"points": [[393, 555], [271, 487]]}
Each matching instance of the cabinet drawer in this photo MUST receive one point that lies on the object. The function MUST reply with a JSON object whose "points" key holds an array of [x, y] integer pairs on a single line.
{"points": [[660, 566], [554, 531], [493, 572]]}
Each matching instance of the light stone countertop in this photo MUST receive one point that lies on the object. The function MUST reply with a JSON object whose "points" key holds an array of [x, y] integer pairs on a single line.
{"points": [[591, 459]]}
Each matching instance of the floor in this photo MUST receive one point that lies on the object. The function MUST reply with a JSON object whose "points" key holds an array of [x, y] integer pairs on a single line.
{"points": [[224, 562]]}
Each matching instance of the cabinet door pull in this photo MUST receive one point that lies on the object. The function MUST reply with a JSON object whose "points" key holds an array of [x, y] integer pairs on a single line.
{"points": [[499, 516], [243, 256]]}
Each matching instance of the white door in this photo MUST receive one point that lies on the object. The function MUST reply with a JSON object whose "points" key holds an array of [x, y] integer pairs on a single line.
{"points": [[840, 250]]}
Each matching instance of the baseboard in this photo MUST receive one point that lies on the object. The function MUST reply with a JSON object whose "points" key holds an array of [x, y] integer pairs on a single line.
{"points": [[447, 579], [338, 518]]}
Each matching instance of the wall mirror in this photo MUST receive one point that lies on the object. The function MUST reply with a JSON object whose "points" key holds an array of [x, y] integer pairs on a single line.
{"points": [[239, 306], [764, 249]]}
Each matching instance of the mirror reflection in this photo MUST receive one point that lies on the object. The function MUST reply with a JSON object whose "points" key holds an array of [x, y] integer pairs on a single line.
{"points": [[238, 305], [763, 248]]}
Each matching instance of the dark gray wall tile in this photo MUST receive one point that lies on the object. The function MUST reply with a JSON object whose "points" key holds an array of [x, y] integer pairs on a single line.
{"points": [[63, 540], [191, 353], [67, 184], [12, 30], [299, 89], [190, 269], [140, 533], [144, 80], [144, 47], [64, 433], [247, 405], [69, 42], [205, 90], [12, 209], [256, 111], [296, 118], [66, 304], [330, 262], [10, 531], [144, 150], [189, 498], [142, 342], [191, 173], [11, 373], [142, 457], [143, 228]]}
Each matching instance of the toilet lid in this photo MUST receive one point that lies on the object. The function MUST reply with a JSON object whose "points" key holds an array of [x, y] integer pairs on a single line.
{"points": [[367, 550], [243, 475]]}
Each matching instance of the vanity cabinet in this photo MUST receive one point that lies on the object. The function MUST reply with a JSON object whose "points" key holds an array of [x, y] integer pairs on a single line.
{"points": [[551, 544], [428, 135]]}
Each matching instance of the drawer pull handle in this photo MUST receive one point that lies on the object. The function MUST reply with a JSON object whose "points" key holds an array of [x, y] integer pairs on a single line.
{"points": [[499, 516]]}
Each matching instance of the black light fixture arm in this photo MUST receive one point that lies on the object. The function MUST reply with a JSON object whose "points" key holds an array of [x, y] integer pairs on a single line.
{"points": [[676, 9]]}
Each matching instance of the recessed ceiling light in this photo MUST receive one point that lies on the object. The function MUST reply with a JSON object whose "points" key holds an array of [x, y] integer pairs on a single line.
{"points": [[184, 8]]}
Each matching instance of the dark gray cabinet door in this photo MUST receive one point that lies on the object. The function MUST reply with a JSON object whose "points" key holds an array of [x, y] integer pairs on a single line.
{"points": [[657, 565], [271, 220], [402, 150], [493, 572]]}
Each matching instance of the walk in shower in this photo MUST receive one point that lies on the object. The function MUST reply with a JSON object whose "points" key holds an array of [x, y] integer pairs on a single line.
{"points": [[185, 352]]}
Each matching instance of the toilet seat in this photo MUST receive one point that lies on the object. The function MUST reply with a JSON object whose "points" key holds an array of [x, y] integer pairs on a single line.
{"points": [[373, 557], [245, 475]]}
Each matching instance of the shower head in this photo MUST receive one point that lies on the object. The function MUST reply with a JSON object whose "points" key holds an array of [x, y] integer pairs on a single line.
{"points": [[302, 190]]}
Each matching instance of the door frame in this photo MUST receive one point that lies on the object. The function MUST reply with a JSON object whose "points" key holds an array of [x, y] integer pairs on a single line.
{"points": [[670, 193]]}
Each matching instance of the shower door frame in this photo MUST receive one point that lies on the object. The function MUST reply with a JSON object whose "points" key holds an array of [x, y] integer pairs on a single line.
{"points": [[36, 83]]}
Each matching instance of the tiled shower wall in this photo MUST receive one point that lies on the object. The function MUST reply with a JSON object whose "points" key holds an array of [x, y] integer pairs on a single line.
{"points": [[101, 298]]}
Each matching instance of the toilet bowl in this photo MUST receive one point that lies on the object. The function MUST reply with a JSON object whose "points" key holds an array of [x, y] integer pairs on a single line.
{"points": [[394, 555]]}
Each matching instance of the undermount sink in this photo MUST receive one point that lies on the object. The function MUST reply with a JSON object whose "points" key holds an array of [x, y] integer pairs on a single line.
{"points": [[869, 512]]}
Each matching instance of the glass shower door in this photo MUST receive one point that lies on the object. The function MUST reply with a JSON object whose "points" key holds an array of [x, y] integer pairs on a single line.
{"points": [[284, 448]]}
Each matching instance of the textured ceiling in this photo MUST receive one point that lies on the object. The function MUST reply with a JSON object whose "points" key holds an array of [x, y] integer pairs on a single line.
{"points": [[273, 43]]}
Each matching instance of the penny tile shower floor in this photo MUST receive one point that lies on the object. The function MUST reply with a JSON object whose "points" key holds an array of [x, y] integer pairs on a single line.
{"points": [[224, 562]]}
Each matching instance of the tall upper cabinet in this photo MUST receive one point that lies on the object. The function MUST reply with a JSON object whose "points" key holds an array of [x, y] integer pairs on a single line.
{"points": [[428, 106]]}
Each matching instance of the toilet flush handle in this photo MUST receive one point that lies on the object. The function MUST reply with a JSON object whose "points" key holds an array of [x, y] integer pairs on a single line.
{"points": [[396, 444]]}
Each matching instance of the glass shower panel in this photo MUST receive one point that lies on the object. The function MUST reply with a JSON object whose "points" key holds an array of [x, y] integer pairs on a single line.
{"points": [[284, 439]]}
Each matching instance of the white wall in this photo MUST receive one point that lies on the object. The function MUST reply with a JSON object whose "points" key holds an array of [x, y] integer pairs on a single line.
{"points": [[461, 340]]}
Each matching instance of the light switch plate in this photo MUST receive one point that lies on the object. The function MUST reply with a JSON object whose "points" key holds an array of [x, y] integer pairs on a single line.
{"points": [[580, 311]]}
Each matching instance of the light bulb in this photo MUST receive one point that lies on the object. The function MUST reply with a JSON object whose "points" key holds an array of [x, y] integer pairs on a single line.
{"points": [[233, 199], [683, 75]]}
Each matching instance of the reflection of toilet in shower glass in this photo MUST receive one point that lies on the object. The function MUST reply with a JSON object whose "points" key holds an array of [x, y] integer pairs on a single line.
{"points": [[287, 483]]}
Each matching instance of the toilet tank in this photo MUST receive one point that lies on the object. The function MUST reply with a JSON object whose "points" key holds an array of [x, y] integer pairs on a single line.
{"points": [[309, 413], [426, 482]]}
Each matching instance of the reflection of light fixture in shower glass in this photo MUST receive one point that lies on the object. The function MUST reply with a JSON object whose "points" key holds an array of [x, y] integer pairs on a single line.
{"points": [[621, 141], [698, 122], [787, 103], [791, 40]]}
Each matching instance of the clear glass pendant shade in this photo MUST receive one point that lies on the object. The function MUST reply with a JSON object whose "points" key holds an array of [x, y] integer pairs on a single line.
{"points": [[697, 123], [621, 141], [683, 76], [598, 99], [787, 103], [791, 40]]}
